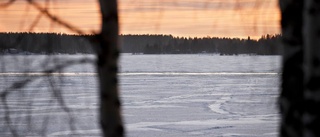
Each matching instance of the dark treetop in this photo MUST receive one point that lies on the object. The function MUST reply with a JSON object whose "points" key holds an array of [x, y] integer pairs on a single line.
{"points": [[53, 43]]}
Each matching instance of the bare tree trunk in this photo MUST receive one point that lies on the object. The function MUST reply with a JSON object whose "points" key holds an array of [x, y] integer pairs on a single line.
{"points": [[108, 54], [311, 31], [300, 97], [291, 97]]}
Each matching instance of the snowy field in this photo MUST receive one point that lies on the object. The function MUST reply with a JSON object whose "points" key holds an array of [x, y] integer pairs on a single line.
{"points": [[162, 96]]}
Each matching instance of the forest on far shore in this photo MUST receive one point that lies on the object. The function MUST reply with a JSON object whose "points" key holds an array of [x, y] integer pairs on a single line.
{"points": [[54, 43]]}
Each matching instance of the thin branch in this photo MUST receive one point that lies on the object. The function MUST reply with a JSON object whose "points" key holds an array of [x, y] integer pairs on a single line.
{"points": [[23, 83], [56, 93], [7, 4], [35, 22], [7, 115], [55, 18]]}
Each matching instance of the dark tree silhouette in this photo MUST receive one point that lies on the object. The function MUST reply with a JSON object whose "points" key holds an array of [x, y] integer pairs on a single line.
{"points": [[107, 55], [299, 99], [291, 97], [107, 65]]}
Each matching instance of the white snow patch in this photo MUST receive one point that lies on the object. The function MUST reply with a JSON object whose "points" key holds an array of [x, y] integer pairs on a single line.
{"points": [[216, 107]]}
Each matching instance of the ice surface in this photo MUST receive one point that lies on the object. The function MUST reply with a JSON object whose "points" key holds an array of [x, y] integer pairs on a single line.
{"points": [[162, 95]]}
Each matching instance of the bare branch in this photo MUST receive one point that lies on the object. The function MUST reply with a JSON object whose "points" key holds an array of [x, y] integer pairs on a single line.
{"points": [[23, 83], [7, 4], [55, 18], [7, 115], [35, 22]]}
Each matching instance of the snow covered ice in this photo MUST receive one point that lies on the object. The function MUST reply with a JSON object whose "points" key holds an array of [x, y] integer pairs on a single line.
{"points": [[162, 95]]}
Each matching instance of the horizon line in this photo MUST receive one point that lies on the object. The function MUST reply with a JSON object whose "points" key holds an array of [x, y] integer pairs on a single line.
{"points": [[147, 34], [140, 73]]}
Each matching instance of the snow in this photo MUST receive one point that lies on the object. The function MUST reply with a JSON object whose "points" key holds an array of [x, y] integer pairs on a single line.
{"points": [[162, 95]]}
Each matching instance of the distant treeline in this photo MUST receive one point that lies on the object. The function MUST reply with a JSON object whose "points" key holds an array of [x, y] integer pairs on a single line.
{"points": [[44, 43], [53, 43], [167, 44]]}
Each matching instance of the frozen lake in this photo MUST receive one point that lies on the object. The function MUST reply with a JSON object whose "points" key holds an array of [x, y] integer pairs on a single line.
{"points": [[162, 96]]}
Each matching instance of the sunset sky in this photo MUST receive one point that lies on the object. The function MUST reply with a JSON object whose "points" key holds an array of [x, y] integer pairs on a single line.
{"points": [[187, 18]]}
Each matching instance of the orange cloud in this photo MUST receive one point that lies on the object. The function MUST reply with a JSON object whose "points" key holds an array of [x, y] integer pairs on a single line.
{"points": [[178, 17], [20, 16], [195, 18]]}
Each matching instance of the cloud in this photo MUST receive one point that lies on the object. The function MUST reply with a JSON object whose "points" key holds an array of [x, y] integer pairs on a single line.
{"points": [[156, 5], [177, 17]]}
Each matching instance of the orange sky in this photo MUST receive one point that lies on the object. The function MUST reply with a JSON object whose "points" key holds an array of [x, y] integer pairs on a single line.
{"points": [[194, 18]]}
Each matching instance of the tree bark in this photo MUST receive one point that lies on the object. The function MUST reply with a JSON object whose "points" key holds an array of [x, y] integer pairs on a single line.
{"points": [[311, 95], [107, 65], [300, 97], [291, 96]]}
